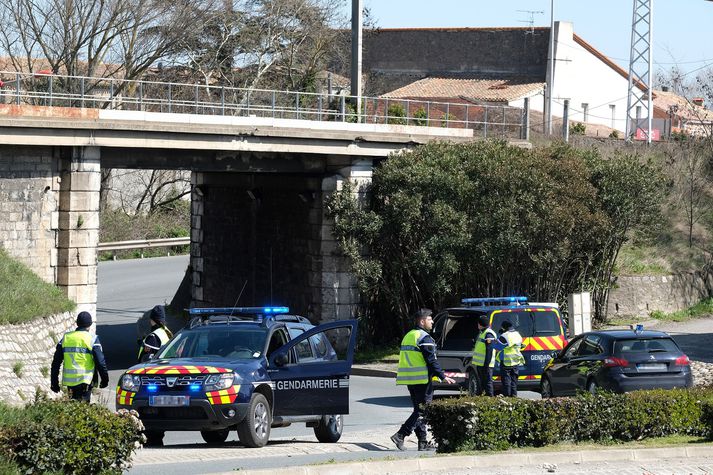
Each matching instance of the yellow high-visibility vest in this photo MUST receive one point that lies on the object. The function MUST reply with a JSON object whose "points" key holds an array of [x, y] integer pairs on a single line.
{"points": [[412, 364], [78, 362], [479, 349]]}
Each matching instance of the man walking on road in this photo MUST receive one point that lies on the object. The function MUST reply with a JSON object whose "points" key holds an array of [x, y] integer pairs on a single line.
{"points": [[483, 359], [508, 344], [417, 365], [80, 354]]}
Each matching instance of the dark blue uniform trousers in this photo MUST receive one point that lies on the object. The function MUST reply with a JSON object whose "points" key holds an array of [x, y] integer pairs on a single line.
{"points": [[421, 394]]}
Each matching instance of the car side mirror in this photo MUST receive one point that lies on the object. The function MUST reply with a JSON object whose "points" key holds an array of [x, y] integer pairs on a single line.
{"points": [[281, 359], [152, 356]]}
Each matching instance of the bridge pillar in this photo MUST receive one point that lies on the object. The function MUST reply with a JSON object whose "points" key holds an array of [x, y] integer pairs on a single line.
{"points": [[78, 234], [337, 296]]}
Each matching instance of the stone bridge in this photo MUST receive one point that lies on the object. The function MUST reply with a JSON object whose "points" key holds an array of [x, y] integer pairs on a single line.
{"points": [[258, 192]]}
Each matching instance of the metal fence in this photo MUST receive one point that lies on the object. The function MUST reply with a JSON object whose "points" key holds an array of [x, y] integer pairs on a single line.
{"points": [[151, 96]]}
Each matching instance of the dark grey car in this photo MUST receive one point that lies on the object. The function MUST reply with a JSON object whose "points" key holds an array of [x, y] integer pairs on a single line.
{"points": [[618, 361]]}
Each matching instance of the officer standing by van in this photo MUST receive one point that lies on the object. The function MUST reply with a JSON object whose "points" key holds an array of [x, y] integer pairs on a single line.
{"points": [[509, 345], [80, 353], [417, 367], [159, 336], [483, 358]]}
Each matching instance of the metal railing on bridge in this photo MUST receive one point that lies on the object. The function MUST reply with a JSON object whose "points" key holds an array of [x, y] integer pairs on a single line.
{"points": [[170, 97]]}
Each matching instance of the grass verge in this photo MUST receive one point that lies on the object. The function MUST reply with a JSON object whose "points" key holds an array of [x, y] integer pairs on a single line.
{"points": [[703, 308], [376, 355], [24, 296]]}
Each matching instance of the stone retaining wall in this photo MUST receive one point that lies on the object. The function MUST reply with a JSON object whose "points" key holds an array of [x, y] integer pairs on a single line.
{"points": [[26, 352], [640, 295]]}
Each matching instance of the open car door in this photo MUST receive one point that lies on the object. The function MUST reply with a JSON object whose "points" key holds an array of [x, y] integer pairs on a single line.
{"points": [[311, 372]]}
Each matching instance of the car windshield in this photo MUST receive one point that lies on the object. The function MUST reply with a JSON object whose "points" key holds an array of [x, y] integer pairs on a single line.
{"points": [[645, 345], [527, 323], [224, 342]]}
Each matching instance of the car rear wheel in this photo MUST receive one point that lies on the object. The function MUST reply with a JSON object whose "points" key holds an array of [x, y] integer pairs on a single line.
{"points": [[592, 387], [154, 438], [546, 388], [329, 429], [254, 430], [472, 383], [215, 437]]}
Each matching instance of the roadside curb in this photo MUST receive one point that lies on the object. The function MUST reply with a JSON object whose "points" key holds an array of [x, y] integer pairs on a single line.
{"points": [[502, 459], [373, 372]]}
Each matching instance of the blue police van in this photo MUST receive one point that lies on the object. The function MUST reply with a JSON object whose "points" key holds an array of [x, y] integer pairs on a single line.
{"points": [[455, 330], [244, 368]]}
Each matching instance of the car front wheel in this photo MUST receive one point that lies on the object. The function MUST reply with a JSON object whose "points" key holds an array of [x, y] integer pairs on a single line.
{"points": [[472, 383], [214, 437], [254, 430], [329, 429], [546, 388], [154, 438]]}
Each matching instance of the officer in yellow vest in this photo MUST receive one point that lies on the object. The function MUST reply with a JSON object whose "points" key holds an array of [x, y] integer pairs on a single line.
{"points": [[483, 358], [417, 367], [80, 355], [159, 336], [510, 356]]}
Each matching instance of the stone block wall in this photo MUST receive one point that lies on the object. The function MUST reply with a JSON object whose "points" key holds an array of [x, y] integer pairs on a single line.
{"points": [[640, 295], [26, 352], [29, 205]]}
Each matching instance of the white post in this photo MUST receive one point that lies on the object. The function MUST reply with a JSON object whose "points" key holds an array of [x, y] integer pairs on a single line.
{"points": [[551, 66]]}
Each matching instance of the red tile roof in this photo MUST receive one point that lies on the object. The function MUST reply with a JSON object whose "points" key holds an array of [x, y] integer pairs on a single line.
{"points": [[469, 88]]}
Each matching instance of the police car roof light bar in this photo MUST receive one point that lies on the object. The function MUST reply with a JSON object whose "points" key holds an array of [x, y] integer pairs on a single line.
{"points": [[489, 301], [238, 310]]}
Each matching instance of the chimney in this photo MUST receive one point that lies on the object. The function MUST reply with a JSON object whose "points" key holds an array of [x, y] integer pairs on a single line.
{"points": [[698, 101], [664, 88]]}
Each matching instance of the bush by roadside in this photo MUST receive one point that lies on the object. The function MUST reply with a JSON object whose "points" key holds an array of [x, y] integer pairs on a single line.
{"points": [[481, 423], [69, 437]]}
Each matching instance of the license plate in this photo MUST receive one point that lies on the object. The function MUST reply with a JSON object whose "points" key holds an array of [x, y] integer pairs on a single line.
{"points": [[169, 401], [652, 366]]}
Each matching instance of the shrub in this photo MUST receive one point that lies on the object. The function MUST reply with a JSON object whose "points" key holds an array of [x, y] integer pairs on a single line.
{"points": [[396, 114], [578, 128], [477, 423], [614, 134], [68, 437], [446, 119], [483, 423], [420, 117]]}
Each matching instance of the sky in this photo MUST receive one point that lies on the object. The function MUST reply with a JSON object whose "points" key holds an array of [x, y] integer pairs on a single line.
{"points": [[681, 28]]}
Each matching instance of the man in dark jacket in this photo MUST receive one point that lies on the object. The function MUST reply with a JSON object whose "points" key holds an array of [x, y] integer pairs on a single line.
{"points": [[417, 367], [80, 354]]}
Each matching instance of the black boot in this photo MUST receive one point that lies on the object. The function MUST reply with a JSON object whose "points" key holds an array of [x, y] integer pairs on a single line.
{"points": [[398, 440], [425, 444]]}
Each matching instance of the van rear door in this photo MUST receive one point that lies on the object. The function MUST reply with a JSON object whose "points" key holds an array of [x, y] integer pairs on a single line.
{"points": [[542, 335]]}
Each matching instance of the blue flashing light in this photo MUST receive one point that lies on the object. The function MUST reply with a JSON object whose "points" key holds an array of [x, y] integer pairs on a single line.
{"points": [[238, 310], [516, 300], [195, 387], [152, 388]]}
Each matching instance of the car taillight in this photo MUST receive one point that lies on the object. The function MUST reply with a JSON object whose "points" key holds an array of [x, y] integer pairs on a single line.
{"points": [[682, 361], [614, 362]]}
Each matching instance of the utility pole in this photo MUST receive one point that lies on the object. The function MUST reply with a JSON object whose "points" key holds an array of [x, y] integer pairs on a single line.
{"points": [[640, 64], [551, 68], [356, 86]]}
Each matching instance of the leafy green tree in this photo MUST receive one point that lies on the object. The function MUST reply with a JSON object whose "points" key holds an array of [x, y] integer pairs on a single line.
{"points": [[447, 221]]}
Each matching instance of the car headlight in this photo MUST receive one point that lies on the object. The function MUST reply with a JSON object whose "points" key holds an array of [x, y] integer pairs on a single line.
{"points": [[130, 382], [216, 382]]}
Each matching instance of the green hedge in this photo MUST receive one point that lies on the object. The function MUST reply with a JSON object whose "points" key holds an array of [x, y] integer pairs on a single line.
{"points": [[68, 437], [483, 423]]}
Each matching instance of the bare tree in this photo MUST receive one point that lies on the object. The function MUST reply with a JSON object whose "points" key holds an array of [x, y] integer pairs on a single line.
{"points": [[97, 38]]}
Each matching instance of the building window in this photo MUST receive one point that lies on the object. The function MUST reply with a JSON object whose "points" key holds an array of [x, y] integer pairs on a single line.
{"points": [[585, 111], [613, 115]]}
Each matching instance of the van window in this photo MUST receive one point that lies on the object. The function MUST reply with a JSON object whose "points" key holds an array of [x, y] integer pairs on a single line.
{"points": [[460, 332], [529, 323]]}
